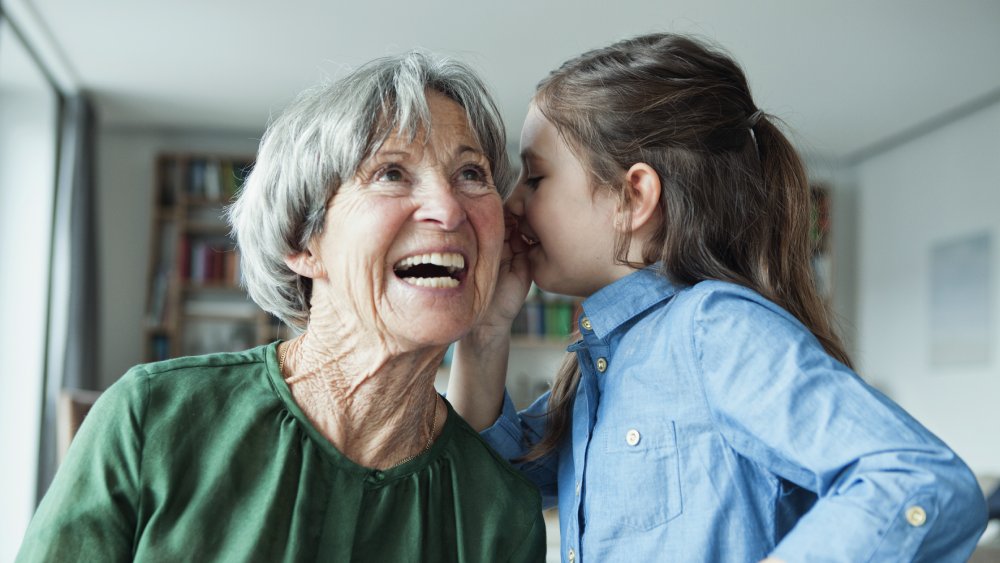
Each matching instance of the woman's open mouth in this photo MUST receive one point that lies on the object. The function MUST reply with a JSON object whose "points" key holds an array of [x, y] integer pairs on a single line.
{"points": [[435, 269]]}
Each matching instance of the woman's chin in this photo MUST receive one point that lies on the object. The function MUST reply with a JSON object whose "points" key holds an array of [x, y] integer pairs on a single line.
{"points": [[431, 343], [433, 306], [434, 331]]}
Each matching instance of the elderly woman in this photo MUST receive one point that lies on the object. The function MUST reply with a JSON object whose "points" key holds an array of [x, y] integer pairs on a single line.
{"points": [[372, 222]]}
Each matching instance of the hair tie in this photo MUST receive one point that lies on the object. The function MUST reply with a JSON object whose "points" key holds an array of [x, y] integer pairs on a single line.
{"points": [[751, 123]]}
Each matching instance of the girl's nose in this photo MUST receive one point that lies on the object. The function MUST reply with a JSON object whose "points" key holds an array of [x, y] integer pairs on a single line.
{"points": [[515, 203]]}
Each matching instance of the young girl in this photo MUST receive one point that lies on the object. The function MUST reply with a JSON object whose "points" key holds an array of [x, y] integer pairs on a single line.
{"points": [[708, 411]]}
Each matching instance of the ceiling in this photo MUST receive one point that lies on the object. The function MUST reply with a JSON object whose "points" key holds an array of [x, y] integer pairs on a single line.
{"points": [[846, 75]]}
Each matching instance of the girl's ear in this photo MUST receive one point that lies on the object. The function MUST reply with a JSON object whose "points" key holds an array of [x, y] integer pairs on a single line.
{"points": [[306, 263], [643, 184]]}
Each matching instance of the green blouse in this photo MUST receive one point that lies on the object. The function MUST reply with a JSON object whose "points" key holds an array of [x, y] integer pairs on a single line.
{"points": [[208, 458]]}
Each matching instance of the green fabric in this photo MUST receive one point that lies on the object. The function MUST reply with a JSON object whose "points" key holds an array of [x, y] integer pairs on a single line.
{"points": [[209, 459]]}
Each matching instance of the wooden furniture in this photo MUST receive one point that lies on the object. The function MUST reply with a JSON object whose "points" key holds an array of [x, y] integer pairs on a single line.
{"points": [[195, 303], [72, 407]]}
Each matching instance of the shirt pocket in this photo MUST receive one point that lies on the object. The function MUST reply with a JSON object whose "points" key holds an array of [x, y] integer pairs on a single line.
{"points": [[645, 491]]}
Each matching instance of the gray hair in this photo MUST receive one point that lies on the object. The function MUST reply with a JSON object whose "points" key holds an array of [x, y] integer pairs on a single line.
{"points": [[321, 140]]}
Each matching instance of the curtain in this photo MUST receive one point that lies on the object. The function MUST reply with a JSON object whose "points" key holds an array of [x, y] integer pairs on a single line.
{"points": [[72, 324]]}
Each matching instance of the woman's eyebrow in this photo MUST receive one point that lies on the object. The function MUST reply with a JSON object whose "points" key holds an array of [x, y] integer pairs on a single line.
{"points": [[393, 152], [462, 149]]}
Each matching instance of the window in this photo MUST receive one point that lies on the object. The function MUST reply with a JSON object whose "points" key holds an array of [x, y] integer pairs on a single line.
{"points": [[29, 111]]}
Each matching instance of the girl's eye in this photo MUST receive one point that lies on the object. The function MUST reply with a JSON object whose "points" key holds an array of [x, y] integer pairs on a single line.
{"points": [[533, 182]]}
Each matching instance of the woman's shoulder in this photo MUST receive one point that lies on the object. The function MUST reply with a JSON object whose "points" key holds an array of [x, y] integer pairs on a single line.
{"points": [[482, 462], [209, 377], [491, 485], [205, 364]]}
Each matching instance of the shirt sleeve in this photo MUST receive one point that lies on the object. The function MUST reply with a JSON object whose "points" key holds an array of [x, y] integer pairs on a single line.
{"points": [[515, 433], [90, 510], [888, 489]]}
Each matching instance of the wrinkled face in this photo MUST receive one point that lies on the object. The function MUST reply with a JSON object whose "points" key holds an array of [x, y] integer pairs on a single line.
{"points": [[411, 246], [568, 226]]}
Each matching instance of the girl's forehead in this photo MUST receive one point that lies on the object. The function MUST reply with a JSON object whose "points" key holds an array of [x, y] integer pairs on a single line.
{"points": [[541, 141]]}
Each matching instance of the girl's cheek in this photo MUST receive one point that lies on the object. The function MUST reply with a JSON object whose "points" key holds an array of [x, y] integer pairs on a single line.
{"points": [[509, 224]]}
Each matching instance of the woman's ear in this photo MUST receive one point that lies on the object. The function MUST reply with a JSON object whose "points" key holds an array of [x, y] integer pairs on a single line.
{"points": [[306, 263], [644, 187]]}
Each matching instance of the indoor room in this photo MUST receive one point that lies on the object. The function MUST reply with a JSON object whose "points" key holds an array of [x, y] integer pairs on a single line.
{"points": [[128, 131]]}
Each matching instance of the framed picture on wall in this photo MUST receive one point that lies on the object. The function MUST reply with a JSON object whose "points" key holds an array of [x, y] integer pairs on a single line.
{"points": [[961, 323]]}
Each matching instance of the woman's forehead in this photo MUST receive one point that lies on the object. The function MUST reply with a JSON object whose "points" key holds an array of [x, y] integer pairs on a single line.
{"points": [[448, 131]]}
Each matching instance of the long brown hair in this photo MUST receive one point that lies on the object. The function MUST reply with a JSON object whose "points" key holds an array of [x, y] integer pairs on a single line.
{"points": [[734, 195]]}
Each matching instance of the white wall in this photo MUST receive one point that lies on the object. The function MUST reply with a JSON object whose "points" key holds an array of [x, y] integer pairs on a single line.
{"points": [[940, 186], [124, 180]]}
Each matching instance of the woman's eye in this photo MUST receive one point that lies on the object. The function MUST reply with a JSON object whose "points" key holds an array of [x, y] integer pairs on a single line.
{"points": [[389, 174], [474, 175]]}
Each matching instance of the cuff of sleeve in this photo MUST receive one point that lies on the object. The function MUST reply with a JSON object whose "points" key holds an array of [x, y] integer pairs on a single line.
{"points": [[835, 530], [505, 434]]}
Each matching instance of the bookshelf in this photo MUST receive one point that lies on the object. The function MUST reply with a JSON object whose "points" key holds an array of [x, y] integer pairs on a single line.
{"points": [[195, 304], [545, 319], [539, 336]]}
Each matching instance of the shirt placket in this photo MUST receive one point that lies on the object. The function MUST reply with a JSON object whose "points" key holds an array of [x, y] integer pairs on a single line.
{"points": [[591, 357]]}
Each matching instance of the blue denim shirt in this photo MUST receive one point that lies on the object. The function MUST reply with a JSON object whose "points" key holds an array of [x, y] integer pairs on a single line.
{"points": [[710, 425]]}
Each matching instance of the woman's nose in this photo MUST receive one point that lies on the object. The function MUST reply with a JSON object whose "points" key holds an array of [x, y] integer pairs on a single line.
{"points": [[438, 203]]}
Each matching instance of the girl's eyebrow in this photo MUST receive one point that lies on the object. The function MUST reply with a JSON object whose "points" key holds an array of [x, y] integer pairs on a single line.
{"points": [[528, 156]]}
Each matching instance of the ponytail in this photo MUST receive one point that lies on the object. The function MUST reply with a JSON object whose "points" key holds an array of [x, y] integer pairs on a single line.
{"points": [[786, 261]]}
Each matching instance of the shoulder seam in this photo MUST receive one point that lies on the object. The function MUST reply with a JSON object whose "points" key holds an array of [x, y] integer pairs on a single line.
{"points": [[700, 372], [241, 362]]}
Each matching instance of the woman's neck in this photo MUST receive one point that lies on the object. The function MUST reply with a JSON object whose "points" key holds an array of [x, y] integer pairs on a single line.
{"points": [[375, 405]]}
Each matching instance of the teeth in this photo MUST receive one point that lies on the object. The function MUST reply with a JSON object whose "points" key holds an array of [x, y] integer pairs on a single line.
{"points": [[432, 282], [528, 240], [451, 260]]}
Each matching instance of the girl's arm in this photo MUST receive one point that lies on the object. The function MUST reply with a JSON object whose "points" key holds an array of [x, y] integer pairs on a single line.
{"points": [[479, 372], [476, 391], [479, 366], [889, 490], [478, 376]]}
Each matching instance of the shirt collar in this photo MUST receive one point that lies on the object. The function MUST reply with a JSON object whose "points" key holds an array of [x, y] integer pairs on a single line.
{"points": [[624, 299]]}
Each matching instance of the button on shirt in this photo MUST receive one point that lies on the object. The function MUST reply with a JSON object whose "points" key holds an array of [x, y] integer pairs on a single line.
{"points": [[708, 422]]}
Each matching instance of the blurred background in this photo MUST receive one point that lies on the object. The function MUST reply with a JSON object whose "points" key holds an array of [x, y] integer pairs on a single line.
{"points": [[125, 126]]}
